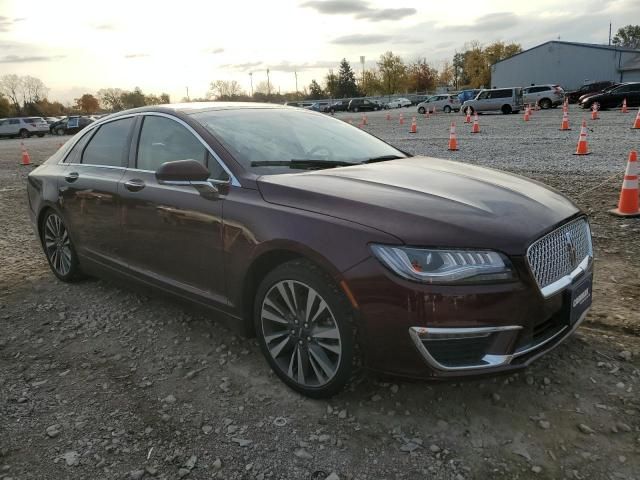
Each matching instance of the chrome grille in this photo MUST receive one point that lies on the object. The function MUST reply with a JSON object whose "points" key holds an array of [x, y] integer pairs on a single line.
{"points": [[552, 257]]}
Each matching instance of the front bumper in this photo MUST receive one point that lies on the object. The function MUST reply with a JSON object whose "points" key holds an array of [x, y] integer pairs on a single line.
{"points": [[427, 331]]}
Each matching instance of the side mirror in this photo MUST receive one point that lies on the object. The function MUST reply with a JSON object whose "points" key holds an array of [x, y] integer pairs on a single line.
{"points": [[182, 171]]}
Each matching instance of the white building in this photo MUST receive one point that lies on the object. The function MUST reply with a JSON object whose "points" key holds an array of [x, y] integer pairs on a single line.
{"points": [[569, 64]]}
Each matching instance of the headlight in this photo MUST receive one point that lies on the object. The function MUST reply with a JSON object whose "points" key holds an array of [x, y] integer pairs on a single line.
{"points": [[444, 266]]}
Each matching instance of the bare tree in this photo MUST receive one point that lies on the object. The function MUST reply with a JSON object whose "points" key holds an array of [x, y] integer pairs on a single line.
{"points": [[224, 89], [11, 86], [33, 90]]}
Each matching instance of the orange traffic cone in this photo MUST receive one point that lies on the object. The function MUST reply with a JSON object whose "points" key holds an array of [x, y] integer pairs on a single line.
{"points": [[594, 112], [636, 123], [624, 106], [467, 119], [401, 119], [414, 126], [364, 119], [537, 107], [388, 116], [433, 112], [583, 148], [527, 113], [565, 121], [476, 125], [26, 159], [628, 204], [453, 142], [565, 105]]}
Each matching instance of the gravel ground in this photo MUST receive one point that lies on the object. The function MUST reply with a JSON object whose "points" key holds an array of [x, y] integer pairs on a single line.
{"points": [[100, 382]]}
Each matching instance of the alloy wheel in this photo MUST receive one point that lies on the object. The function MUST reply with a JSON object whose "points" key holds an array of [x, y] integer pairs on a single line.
{"points": [[301, 333], [57, 244]]}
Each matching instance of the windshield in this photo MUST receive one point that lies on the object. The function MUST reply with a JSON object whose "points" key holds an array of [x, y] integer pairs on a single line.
{"points": [[258, 135]]}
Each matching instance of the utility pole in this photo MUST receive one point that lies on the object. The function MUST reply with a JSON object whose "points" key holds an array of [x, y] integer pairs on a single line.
{"points": [[188, 95], [268, 84], [609, 33], [251, 80], [296, 74], [362, 62]]}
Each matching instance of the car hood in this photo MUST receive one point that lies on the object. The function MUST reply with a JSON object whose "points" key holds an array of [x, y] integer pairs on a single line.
{"points": [[428, 201]]}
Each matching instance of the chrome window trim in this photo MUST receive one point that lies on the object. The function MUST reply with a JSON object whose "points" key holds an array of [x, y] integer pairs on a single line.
{"points": [[232, 179]]}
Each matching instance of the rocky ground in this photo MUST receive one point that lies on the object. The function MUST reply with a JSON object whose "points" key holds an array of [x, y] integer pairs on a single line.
{"points": [[99, 382]]}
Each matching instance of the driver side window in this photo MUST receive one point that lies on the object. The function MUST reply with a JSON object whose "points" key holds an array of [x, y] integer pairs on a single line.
{"points": [[483, 95]]}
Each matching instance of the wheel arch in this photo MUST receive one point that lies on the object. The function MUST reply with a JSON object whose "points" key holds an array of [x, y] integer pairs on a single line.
{"points": [[264, 261]]}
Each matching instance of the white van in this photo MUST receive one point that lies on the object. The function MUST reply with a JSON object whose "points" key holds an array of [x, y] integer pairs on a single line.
{"points": [[505, 100]]}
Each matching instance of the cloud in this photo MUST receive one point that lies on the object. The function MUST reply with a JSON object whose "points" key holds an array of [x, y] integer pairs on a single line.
{"points": [[488, 23], [216, 50], [387, 14], [136, 55], [359, 8], [361, 39], [105, 26], [6, 23], [242, 67], [29, 59]]}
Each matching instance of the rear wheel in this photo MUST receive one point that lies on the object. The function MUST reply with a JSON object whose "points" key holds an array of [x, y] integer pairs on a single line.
{"points": [[41, 135], [545, 103], [60, 131], [24, 133], [355, 109], [305, 329], [506, 109], [468, 110], [447, 109], [422, 110], [58, 248]]}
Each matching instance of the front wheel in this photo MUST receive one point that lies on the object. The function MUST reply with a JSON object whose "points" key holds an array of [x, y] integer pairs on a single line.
{"points": [[58, 248], [468, 110], [355, 109], [545, 103], [506, 109], [305, 329], [59, 131], [447, 109], [24, 133], [421, 110], [41, 135]]}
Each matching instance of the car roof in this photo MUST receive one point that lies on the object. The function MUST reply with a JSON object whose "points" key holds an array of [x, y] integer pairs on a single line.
{"points": [[197, 107]]}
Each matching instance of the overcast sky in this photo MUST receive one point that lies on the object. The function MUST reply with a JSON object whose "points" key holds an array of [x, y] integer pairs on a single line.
{"points": [[81, 46]]}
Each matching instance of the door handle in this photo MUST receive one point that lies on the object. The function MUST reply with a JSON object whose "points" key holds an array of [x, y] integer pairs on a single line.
{"points": [[71, 177], [134, 185]]}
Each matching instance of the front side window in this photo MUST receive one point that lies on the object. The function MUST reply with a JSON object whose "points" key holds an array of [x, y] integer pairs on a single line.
{"points": [[14, 121], [258, 135], [110, 144], [164, 140], [483, 95]]}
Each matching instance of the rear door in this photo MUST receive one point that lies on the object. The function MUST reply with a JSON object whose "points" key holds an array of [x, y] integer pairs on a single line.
{"points": [[173, 233], [89, 190], [633, 98]]}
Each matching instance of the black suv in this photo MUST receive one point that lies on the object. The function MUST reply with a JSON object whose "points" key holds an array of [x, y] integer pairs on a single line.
{"points": [[589, 88], [362, 104], [69, 125]]}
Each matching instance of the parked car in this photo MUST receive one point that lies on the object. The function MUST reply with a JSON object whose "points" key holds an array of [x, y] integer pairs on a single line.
{"points": [[362, 104], [445, 102], [339, 106], [51, 120], [613, 98], [505, 100], [416, 99], [547, 96], [468, 94], [70, 125], [398, 103], [23, 127], [594, 87], [319, 107], [591, 94], [412, 266]]}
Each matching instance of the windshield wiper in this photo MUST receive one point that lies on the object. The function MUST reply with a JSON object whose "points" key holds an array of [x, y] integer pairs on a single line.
{"points": [[382, 158], [301, 164]]}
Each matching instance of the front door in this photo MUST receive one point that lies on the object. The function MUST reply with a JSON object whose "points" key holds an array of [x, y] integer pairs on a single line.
{"points": [[173, 233], [89, 190]]}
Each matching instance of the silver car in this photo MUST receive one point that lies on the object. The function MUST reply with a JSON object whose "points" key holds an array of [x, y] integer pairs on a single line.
{"points": [[23, 127], [445, 102], [547, 96], [505, 100]]}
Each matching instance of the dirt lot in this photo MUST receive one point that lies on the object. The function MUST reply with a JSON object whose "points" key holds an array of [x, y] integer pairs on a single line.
{"points": [[102, 383]]}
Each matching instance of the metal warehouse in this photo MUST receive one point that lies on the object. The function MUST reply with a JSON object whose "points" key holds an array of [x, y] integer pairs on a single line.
{"points": [[569, 64]]}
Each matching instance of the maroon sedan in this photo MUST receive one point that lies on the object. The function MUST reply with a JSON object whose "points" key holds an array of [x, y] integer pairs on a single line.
{"points": [[334, 248]]}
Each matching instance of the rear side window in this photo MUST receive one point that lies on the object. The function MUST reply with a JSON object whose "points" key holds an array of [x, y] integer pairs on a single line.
{"points": [[165, 140], [109, 145], [501, 93], [75, 154], [14, 121]]}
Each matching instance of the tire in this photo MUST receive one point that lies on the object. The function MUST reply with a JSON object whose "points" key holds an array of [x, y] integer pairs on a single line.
{"points": [[59, 131], [421, 110], [58, 248], [315, 358], [41, 135], [24, 133], [468, 110], [545, 104], [355, 109], [447, 109], [506, 109]]}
